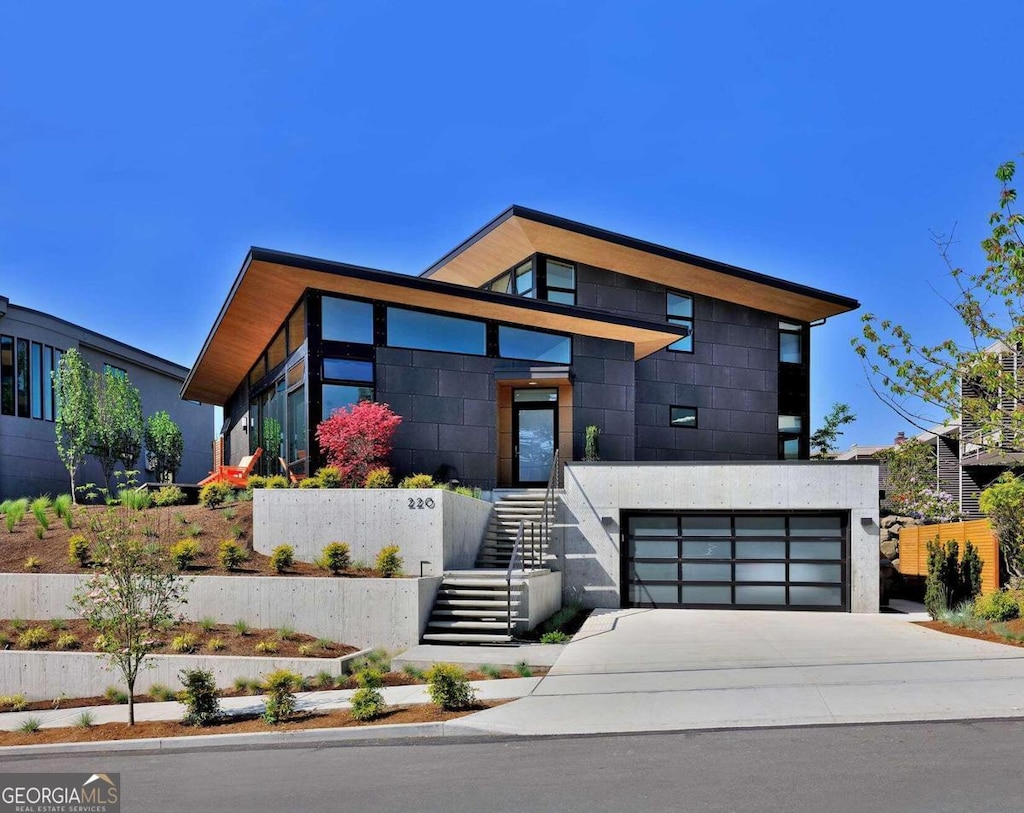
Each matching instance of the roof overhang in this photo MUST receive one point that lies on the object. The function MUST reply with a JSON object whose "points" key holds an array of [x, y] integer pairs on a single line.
{"points": [[519, 232], [270, 284]]}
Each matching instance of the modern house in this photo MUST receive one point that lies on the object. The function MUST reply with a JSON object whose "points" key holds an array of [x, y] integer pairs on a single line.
{"points": [[31, 346], [512, 344]]}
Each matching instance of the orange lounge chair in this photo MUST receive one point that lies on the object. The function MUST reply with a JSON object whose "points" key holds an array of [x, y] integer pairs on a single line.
{"points": [[237, 476], [292, 476]]}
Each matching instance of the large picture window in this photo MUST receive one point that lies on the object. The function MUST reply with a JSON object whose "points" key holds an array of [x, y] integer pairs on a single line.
{"points": [[534, 345], [432, 331], [345, 320], [345, 382]]}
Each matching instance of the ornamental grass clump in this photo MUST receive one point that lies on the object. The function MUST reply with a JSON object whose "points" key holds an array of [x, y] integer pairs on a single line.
{"points": [[40, 506], [14, 513]]}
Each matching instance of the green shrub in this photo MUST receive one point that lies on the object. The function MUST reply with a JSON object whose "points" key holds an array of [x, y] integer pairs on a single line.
{"points": [[555, 637], [469, 491], [997, 606], [169, 495], [184, 553], [78, 550], [282, 558], [280, 687], [335, 557], [200, 696], [186, 642], [591, 442], [949, 581], [493, 672], [309, 482], [215, 645], [231, 555], [136, 499], [67, 640], [267, 646], [417, 481], [328, 477], [213, 494], [449, 687], [368, 700], [14, 513], [389, 563], [523, 669], [256, 481], [161, 693], [32, 563], [278, 481], [40, 505], [379, 478], [34, 638], [13, 702]]}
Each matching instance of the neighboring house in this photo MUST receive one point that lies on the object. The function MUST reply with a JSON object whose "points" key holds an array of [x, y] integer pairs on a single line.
{"points": [[31, 345], [509, 346]]}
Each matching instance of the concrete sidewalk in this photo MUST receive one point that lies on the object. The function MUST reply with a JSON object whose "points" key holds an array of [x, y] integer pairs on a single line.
{"points": [[306, 701], [662, 670]]}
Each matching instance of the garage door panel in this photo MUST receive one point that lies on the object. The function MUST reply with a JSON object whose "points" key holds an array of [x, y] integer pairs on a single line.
{"points": [[741, 560]]}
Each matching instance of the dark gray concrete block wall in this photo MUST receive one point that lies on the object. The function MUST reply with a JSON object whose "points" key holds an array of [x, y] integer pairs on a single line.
{"points": [[731, 377], [603, 393], [449, 413]]}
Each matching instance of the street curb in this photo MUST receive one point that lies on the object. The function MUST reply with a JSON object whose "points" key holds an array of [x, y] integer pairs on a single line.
{"points": [[302, 738]]}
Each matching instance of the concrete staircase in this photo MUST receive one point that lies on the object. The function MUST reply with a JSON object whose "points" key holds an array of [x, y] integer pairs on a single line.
{"points": [[472, 605], [472, 608], [511, 508]]}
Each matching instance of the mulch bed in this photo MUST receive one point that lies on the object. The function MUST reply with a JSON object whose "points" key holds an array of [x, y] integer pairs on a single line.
{"points": [[233, 643], [166, 526], [164, 728], [1016, 626]]}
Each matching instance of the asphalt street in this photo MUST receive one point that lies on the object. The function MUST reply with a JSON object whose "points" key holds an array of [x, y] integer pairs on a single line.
{"points": [[949, 766]]}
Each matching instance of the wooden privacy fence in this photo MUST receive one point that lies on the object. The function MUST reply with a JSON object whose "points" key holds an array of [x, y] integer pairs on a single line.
{"points": [[914, 548]]}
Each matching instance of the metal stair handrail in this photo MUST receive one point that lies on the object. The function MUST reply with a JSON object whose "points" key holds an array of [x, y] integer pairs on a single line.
{"points": [[549, 499], [511, 568]]}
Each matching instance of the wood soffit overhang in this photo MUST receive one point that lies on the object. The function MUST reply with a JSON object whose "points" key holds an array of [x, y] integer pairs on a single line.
{"points": [[519, 232], [271, 283]]}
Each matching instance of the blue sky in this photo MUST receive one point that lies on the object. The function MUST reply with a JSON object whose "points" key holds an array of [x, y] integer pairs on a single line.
{"points": [[144, 148]]}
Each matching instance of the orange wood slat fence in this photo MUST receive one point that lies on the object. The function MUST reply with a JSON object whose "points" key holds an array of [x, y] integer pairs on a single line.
{"points": [[914, 548]]}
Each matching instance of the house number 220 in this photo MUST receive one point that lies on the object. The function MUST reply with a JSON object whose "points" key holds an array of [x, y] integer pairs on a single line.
{"points": [[419, 502]]}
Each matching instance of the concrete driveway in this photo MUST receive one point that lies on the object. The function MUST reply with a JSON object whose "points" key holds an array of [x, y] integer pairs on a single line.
{"points": [[655, 670]]}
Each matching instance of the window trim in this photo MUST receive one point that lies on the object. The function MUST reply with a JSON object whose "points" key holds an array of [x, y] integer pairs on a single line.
{"points": [[696, 417]]}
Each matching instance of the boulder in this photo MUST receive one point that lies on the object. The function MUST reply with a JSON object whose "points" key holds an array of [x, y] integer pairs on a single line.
{"points": [[889, 549]]}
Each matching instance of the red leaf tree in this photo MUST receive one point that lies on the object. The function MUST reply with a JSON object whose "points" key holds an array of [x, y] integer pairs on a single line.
{"points": [[357, 439]]}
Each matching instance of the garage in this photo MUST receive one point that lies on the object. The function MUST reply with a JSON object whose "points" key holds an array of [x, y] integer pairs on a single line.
{"points": [[707, 560]]}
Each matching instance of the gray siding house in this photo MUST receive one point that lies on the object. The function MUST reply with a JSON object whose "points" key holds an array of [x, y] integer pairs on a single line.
{"points": [[31, 344]]}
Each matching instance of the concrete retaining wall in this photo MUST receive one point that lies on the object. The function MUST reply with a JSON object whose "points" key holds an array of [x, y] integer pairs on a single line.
{"points": [[595, 493], [542, 597], [48, 675], [389, 613], [435, 530]]}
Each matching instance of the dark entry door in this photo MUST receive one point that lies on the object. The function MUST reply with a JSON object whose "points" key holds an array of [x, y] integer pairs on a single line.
{"points": [[534, 429]]}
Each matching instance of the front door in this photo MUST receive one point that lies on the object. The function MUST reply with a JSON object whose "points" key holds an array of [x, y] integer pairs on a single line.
{"points": [[534, 429]]}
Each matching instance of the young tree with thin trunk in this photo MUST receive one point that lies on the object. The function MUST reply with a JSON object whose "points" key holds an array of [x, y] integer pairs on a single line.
{"points": [[133, 593], [165, 444], [73, 386], [118, 425], [826, 438]]}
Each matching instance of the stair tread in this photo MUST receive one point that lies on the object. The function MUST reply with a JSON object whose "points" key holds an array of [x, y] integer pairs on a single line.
{"points": [[466, 638], [458, 625]]}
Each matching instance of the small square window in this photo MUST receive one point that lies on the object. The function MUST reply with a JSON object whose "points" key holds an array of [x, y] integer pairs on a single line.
{"points": [[683, 417]]}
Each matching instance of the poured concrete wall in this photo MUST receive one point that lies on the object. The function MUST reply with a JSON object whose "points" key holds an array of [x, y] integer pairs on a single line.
{"points": [[441, 530], [389, 613], [48, 675], [596, 493], [542, 597]]}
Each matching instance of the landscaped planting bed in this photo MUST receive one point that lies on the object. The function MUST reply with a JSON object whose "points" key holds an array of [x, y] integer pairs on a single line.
{"points": [[187, 637], [28, 548], [998, 632], [236, 725]]}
